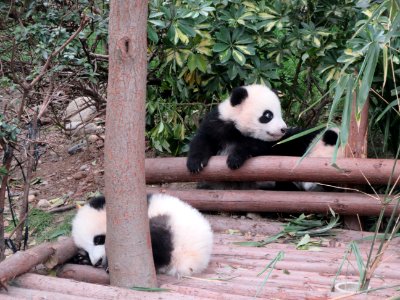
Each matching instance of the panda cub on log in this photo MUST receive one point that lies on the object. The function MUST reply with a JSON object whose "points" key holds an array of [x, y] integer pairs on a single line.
{"points": [[236, 128], [249, 123], [181, 237]]}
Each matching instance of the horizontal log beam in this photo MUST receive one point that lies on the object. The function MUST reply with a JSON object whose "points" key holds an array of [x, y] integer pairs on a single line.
{"points": [[49, 253], [275, 201], [277, 168]]}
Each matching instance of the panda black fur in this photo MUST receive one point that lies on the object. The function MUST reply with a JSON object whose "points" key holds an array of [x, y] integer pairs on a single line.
{"points": [[236, 128], [181, 237]]}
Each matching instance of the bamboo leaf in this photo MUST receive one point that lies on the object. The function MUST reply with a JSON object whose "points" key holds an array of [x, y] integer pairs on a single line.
{"points": [[270, 266], [340, 87], [392, 104], [368, 74], [346, 115], [385, 65]]}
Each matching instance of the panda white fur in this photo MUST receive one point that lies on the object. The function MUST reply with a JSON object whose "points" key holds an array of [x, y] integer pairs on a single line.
{"points": [[181, 237], [252, 114]]}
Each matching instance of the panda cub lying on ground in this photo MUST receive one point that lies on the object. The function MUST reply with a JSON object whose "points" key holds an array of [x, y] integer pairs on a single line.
{"points": [[249, 123], [181, 237]]}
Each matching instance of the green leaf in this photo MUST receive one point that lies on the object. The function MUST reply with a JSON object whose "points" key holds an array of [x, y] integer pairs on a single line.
{"points": [[152, 34], [225, 55], [248, 50], [224, 36], [368, 74], [183, 37], [304, 240], [239, 57], [145, 289], [219, 47], [340, 87], [192, 62], [186, 29], [346, 115], [392, 104]]}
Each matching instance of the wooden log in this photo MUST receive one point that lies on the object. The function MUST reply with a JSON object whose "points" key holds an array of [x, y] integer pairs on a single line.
{"points": [[277, 168], [29, 294], [23, 261], [84, 273], [64, 249], [276, 201], [72, 287]]}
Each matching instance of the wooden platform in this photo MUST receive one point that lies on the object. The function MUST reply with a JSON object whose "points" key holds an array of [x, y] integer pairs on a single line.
{"points": [[233, 271]]}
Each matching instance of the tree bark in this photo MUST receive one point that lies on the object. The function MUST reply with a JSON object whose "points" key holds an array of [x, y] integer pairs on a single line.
{"points": [[128, 239], [4, 181], [357, 148]]}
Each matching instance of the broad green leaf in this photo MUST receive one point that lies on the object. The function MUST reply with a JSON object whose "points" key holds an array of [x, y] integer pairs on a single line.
{"points": [[248, 50], [266, 16], [192, 62], [225, 55], [219, 47], [316, 42], [152, 34], [239, 57], [201, 63], [224, 36], [183, 37], [187, 30]]}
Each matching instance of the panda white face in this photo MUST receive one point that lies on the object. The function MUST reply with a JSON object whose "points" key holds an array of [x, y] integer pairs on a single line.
{"points": [[255, 111], [88, 232]]}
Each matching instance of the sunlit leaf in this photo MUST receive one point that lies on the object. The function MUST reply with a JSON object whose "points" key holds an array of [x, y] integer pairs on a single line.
{"points": [[238, 57]]}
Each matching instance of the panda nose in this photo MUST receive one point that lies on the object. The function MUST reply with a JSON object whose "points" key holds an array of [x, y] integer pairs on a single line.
{"points": [[98, 263], [283, 130]]}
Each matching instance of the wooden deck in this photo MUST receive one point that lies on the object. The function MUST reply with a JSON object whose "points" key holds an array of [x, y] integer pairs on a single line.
{"points": [[233, 271]]}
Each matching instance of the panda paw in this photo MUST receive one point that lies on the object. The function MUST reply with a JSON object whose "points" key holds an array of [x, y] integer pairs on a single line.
{"points": [[235, 161], [195, 165]]}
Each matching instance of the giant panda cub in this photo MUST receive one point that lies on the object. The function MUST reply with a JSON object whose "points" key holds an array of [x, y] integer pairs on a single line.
{"points": [[237, 126], [249, 123], [181, 237]]}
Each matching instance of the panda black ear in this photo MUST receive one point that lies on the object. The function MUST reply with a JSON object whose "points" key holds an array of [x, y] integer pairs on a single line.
{"points": [[238, 95]]}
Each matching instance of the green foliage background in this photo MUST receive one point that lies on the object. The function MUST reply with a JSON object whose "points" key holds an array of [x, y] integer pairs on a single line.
{"points": [[317, 54]]}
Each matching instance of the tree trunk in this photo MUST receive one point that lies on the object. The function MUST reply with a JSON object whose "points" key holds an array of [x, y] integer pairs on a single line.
{"points": [[357, 148], [128, 239]]}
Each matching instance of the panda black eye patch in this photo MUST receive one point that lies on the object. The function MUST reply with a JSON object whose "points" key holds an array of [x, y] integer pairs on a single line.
{"points": [[99, 239], [266, 116]]}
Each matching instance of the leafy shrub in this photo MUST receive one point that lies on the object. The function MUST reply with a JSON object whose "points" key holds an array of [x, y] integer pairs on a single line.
{"points": [[317, 54]]}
